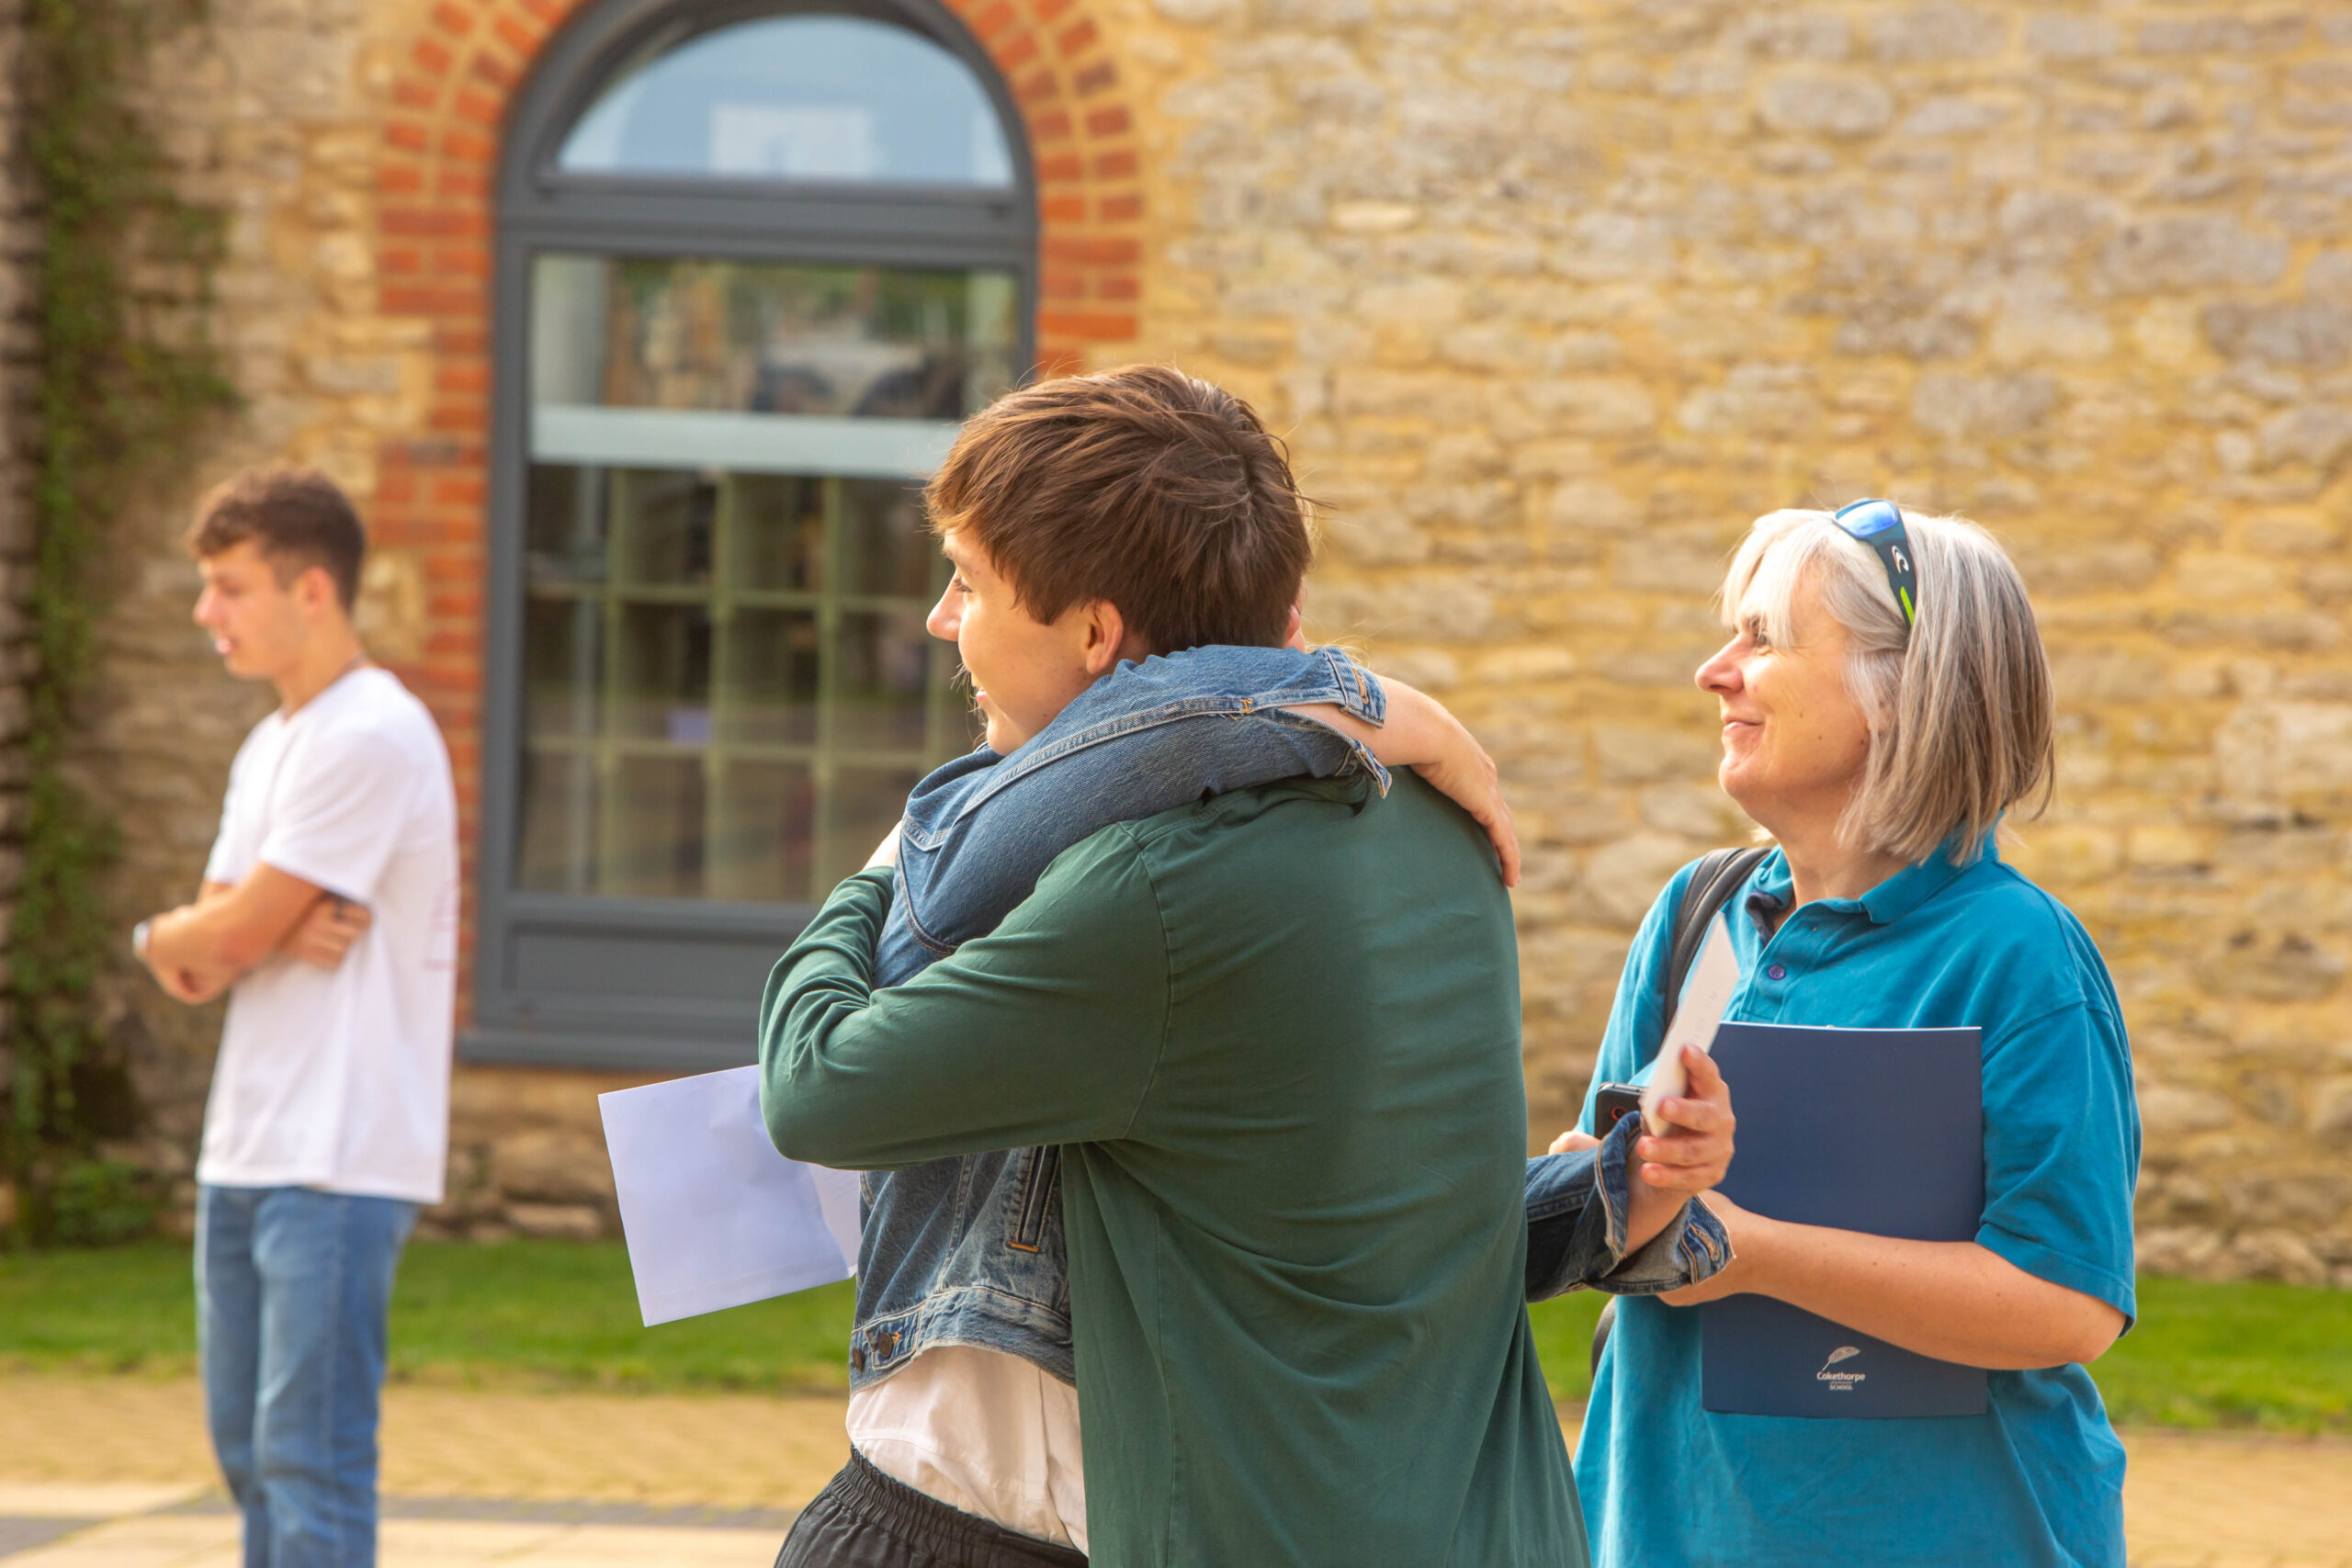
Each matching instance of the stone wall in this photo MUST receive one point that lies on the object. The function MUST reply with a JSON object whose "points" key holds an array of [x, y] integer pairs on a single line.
{"points": [[1552, 299]]}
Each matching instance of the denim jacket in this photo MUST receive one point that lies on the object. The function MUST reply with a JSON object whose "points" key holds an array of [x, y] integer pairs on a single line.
{"points": [[969, 1250], [1145, 738]]}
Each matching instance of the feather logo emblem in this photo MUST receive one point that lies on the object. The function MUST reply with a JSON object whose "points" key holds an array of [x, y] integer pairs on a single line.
{"points": [[1840, 1383]]}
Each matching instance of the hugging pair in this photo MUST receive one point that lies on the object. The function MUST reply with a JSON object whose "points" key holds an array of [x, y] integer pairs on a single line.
{"points": [[1181, 1040]]}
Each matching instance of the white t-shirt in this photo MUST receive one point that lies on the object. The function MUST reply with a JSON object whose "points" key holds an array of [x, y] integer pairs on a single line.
{"points": [[339, 1078], [983, 1431]]}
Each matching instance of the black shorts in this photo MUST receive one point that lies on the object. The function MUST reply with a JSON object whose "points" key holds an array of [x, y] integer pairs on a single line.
{"points": [[866, 1519]]}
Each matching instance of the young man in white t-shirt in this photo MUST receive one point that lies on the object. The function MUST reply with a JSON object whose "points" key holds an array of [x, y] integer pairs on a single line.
{"points": [[329, 914]]}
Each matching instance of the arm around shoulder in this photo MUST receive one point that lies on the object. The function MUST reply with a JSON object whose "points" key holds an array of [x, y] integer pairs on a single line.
{"points": [[1045, 1032], [1419, 732]]}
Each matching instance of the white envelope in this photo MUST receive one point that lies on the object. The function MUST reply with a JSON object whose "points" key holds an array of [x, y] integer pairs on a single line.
{"points": [[713, 1216], [1714, 976]]}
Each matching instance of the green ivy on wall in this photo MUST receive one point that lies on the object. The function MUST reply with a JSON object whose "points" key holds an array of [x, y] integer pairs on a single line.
{"points": [[125, 380]]}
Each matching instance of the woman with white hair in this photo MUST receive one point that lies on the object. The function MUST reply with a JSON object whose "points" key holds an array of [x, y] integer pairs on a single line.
{"points": [[1885, 702]]}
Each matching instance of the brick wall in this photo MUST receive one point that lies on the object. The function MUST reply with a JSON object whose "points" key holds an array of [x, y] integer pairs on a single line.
{"points": [[1552, 299]]}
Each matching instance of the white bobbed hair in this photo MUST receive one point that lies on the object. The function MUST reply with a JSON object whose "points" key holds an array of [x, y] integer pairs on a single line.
{"points": [[1961, 715]]}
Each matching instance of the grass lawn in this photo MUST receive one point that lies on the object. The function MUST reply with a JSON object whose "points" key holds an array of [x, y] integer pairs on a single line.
{"points": [[2276, 1357], [550, 1312], [561, 1314]]}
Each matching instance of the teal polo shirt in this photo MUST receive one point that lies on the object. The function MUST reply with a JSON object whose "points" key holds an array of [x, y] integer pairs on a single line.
{"points": [[2038, 1478]]}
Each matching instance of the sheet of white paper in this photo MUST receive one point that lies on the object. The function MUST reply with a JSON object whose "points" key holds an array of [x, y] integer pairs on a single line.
{"points": [[1714, 976], [713, 1215]]}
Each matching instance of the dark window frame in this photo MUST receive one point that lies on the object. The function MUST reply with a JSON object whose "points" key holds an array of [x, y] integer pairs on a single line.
{"points": [[534, 1019]]}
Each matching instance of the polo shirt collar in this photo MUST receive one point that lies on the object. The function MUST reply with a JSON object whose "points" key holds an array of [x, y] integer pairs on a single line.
{"points": [[1915, 884], [1886, 903]]}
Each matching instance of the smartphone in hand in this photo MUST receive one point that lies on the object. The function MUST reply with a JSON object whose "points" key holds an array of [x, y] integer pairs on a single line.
{"points": [[1612, 1103]]}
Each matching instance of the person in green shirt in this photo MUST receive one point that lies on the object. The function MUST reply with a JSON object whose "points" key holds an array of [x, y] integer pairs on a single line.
{"points": [[1276, 1036]]}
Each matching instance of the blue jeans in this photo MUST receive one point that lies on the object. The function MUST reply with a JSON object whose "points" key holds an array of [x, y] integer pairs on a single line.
{"points": [[293, 1290]]}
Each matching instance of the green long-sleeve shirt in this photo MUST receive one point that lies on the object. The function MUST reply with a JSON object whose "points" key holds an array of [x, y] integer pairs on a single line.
{"points": [[1278, 1033]]}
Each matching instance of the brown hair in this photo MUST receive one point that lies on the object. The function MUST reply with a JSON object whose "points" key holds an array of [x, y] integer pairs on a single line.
{"points": [[1143, 486], [299, 517]]}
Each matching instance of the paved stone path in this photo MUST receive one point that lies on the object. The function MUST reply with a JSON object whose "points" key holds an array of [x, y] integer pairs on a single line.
{"points": [[114, 1473]]}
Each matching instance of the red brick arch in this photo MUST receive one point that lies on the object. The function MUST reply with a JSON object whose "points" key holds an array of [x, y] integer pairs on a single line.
{"points": [[435, 177]]}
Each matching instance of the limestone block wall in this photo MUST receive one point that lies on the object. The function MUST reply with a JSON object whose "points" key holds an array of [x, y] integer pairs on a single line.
{"points": [[1551, 296], [1554, 298]]}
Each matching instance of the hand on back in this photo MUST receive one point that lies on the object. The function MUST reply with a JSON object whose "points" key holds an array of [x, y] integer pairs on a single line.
{"points": [[1466, 775], [1422, 735]]}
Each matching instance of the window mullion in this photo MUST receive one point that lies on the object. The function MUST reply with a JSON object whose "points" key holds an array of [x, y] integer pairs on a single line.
{"points": [[610, 819], [721, 874], [825, 771], [592, 650]]}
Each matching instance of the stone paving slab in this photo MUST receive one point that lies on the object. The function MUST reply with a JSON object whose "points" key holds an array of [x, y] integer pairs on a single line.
{"points": [[595, 1481], [23, 1534], [541, 1511], [94, 1500], [2222, 1500], [210, 1541], [686, 1451]]}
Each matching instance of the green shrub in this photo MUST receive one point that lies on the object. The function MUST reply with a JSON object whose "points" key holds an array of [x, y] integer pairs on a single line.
{"points": [[102, 1203]]}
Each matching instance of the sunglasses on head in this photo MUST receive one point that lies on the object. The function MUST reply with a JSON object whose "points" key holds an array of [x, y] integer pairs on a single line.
{"points": [[1879, 524]]}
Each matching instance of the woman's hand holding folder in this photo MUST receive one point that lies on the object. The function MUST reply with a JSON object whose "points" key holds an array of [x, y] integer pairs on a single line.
{"points": [[1955, 1300]]}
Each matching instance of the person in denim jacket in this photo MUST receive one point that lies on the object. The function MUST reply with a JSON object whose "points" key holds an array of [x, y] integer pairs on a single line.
{"points": [[1151, 735], [963, 1296]]}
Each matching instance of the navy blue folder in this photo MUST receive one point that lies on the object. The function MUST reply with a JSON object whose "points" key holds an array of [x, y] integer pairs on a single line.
{"points": [[1877, 1130]]}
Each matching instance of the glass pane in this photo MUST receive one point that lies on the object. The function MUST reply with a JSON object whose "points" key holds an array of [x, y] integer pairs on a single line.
{"points": [[884, 549], [664, 521], [770, 680], [661, 685], [765, 842], [727, 687], [778, 533], [879, 681], [562, 667], [563, 524], [650, 845], [798, 98], [559, 849], [862, 805], [759, 337]]}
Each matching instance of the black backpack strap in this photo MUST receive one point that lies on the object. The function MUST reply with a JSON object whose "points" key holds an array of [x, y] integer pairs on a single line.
{"points": [[1719, 874]]}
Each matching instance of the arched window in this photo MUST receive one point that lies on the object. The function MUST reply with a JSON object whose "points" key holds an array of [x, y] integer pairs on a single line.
{"points": [[755, 262]]}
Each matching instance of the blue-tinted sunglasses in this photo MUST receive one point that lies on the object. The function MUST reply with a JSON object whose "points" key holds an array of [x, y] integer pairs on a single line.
{"points": [[1879, 524]]}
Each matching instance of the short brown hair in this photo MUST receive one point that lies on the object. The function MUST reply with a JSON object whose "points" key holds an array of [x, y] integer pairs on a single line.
{"points": [[299, 517], [1143, 486]]}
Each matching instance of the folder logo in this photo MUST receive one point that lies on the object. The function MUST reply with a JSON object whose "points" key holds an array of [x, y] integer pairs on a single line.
{"points": [[1840, 1383]]}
